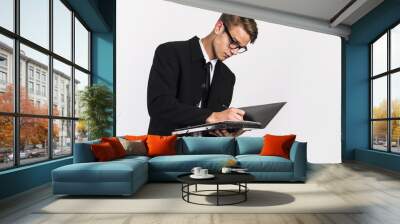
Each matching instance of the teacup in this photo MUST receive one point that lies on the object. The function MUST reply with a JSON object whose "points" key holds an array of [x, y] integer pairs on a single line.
{"points": [[196, 170], [203, 172]]}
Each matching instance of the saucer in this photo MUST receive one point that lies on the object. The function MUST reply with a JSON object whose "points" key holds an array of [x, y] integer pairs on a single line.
{"points": [[208, 176]]}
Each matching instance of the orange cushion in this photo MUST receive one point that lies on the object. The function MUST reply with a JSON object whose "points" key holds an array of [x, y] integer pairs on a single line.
{"points": [[161, 145], [277, 145], [116, 145], [136, 137], [103, 151]]}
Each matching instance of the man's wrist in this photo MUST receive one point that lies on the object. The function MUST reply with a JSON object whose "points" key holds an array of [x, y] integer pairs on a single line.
{"points": [[211, 119]]}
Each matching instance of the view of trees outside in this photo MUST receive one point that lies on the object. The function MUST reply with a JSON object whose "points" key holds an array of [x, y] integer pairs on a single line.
{"points": [[34, 82], [33, 137], [379, 128], [6, 141], [34, 100], [380, 138], [62, 143]]}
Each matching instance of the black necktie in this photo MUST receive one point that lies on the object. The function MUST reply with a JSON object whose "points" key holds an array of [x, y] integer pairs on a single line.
{"points": [[206, 86]]}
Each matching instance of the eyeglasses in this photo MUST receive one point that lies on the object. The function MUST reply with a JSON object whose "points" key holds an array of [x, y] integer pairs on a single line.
{"points": [[234, 44]]}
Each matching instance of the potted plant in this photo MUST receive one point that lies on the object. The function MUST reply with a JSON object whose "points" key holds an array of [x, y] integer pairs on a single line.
{"points": [[96, 102]]}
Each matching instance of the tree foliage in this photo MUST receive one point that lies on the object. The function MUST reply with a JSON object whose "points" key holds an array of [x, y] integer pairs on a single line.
{"points": [[33, 131], [380, 127], [96, 102]]}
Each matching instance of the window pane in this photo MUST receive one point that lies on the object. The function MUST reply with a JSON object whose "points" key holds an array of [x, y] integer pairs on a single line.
{"points": [[62, 89], [379, 55], [62, 29], [35, 21], [6, 74], [7, 14], [395, 94], [395, 47], [62, 138], [81, 45], [34, 97], [81, 131], [81, 81], [379, 135], [395, 136], [6, 142], [33, 140], [379, 98]]}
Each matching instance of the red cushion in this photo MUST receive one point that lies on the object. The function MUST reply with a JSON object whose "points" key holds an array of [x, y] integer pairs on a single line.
{"points": [[103, 151], [161, 145], [277, 145], [116, 145], [136, 137]]}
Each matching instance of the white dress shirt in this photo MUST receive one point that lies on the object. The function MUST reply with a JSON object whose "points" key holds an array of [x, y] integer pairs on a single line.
{"points": [[213, 62]]}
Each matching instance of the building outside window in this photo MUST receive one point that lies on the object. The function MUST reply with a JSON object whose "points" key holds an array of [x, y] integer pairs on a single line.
{"points": [[30, 87], [43, 77], [38, 89], [43, 90], [34, 75], [30, 72], [37, 75], [3, 72], [3, 61], [3, 78]]}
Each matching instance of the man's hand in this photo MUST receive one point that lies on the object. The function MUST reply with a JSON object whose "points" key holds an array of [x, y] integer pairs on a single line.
{"points": [[230, 114], [225, 133]]}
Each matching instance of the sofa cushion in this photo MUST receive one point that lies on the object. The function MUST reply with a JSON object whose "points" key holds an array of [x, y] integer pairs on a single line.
{"points": [[207, 145], [103, 152], [134, 147], [185, 163], [275, 145], [133, 158], [136, 137], [161, 145], [257, 163], [249, 145], [116, 145], [111, 171]]}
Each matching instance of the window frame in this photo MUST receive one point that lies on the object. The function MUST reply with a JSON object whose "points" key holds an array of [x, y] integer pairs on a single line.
{"points": [[388, 74], [15, 72]]}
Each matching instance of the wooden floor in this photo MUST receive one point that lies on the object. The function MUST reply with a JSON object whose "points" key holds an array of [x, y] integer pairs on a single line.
{"points": [[377, 188]]}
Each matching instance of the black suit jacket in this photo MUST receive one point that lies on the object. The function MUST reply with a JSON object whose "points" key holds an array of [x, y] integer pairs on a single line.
{"points": [[175, 85]]}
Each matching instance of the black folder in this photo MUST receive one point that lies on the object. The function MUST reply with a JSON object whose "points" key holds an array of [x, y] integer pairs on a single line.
{"points": [[256, 117]]}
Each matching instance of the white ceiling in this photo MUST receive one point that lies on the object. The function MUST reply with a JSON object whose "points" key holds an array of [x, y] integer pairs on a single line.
{"points": [[324, 16]]}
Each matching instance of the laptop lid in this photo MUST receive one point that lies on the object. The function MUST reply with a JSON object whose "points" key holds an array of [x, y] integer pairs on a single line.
{"points": [[262, 113]]}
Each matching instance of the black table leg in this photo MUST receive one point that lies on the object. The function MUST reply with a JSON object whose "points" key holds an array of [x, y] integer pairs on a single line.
{"points": [[217, 194], [188, 190], [245, 193]]}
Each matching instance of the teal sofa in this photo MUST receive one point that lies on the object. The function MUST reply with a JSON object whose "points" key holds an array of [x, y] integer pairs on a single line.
{"points": [[125, 176]]}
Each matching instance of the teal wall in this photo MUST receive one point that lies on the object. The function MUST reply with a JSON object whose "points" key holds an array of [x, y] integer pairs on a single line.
{"points": [[104, 51], [24, 178], [355, 53], [99, 16], [103, 64]]}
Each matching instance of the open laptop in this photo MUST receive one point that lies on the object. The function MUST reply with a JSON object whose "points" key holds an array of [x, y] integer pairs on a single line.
{"points": [[256, 117]]}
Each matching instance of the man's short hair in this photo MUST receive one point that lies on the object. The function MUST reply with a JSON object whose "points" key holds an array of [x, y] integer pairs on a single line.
{"points": [[249, 25]]}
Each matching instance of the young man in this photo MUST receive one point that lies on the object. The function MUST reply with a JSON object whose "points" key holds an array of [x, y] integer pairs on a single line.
{"points": [[189, 84]]}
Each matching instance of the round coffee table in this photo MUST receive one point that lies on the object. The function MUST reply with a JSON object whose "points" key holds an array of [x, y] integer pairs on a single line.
{"points": [[238, 179]]}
